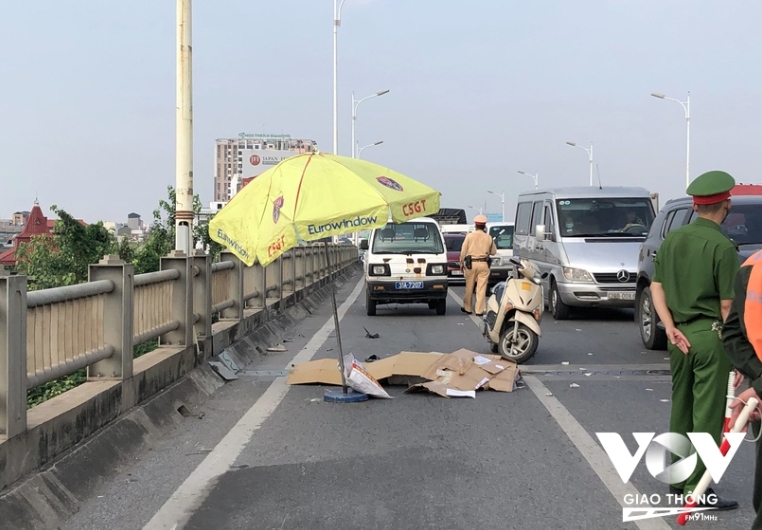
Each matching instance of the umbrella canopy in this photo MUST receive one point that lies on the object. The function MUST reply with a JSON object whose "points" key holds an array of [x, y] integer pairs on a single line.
{"points": [[316, 195]]}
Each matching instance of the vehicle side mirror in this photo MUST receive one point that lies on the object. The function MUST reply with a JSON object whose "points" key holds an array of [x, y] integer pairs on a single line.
{"points": [[544, 275], [540, 232], [364, 244]]}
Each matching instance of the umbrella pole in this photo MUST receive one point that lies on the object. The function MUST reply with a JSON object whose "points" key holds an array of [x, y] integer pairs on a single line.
{"points": [[336, 319]]}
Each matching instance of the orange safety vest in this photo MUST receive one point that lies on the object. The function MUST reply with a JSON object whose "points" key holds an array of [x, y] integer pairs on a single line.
{"points": [[753, 307]]}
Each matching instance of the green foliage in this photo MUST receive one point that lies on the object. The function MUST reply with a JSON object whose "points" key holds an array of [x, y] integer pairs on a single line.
{"points": [[63, 258]]}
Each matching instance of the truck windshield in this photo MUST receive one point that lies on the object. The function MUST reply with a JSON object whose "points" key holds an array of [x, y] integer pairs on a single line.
{"points": [[605, 217], [408, 238]]}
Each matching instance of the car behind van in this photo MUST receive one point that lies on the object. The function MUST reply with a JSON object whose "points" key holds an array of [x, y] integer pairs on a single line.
{"points": [[502, 235], [587, 239], [406, 263]]}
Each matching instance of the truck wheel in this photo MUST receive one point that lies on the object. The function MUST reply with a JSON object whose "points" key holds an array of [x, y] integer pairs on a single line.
{"points": [[653, 337], [432, 305], [558, 308], [441, 307], [524, 347], [370, 305]]}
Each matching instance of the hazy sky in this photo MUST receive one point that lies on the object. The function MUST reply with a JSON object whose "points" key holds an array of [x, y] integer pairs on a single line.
{"points": [[478, 90]]}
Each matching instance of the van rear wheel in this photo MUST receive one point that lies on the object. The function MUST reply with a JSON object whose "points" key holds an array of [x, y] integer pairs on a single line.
{"points": [[558, 308]]}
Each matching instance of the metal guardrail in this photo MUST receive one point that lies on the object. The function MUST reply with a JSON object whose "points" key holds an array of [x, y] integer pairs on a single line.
{"points": [[51, 333]]}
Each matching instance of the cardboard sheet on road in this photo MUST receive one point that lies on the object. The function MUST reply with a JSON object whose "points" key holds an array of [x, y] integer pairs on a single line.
{"points": [[459, 373]]}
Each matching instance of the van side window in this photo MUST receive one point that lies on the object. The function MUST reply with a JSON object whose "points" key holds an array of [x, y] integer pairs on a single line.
{"points": [[536, 213], [523, 216], [548, 219]]}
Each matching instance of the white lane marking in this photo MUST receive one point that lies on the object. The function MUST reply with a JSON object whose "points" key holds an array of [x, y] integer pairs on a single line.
{"points": [[592, 452], [476, 320], [176, 512], [584, 443]]}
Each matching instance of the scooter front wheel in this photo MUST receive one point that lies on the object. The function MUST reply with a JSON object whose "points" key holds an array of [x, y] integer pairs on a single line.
{"points": [[521, 348]]}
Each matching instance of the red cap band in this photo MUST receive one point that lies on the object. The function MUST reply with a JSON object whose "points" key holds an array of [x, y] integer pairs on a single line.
{"points": [[711, 199]]}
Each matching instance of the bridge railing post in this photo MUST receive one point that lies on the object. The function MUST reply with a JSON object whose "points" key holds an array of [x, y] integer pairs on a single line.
{"points": [[182, 299], [117, 317], [13, 379], [235, 287], [201, 272]]}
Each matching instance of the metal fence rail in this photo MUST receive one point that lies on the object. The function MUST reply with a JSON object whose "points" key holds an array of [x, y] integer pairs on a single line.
{"points": [[51, 333]]}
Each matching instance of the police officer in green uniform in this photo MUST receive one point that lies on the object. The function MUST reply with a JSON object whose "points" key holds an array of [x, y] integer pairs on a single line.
{"points": [[692, 292]]}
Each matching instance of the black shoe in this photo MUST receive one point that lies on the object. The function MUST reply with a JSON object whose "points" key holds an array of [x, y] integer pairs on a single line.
{"points": [[464, 310], [479, 314]]}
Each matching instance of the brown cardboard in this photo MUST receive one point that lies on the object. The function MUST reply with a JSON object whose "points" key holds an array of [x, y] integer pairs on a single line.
{"points": [[326, 371], [319, 371], [431, 371]]}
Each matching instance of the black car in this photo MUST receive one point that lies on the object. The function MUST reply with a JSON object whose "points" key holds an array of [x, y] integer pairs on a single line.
{"points": [[743, 226]]}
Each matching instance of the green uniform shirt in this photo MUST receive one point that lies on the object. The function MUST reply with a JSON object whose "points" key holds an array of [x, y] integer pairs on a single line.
{"points": [[696, 266], [740, 351]]}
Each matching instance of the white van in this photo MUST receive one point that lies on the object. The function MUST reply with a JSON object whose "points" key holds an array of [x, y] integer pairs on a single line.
{"points": [[406, 263], [587, 239]]}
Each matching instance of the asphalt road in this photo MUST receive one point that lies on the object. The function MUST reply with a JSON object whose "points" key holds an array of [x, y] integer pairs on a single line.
{"points": [[522, 460]]}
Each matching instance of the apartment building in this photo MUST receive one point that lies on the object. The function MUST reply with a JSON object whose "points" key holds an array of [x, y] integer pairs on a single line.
{"points": [[245, 157]]}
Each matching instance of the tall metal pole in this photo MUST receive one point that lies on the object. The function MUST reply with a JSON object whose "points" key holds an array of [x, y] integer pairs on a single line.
{"points": [[336, 24], [354, 117], [184, 131], [591, 163], [688, 147]]}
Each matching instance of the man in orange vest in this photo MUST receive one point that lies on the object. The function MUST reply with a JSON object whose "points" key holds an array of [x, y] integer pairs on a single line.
{"points": [[742, 338]]}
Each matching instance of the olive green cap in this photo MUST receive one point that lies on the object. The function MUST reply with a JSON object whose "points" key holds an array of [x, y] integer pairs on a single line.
{"points": [[711, 187]]}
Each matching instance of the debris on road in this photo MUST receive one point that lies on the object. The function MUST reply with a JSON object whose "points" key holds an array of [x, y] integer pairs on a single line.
{"points": [[278, 348], [360, 380], [565, 363], [457, 374], [372, 358], [574, 385], [370, 335]]}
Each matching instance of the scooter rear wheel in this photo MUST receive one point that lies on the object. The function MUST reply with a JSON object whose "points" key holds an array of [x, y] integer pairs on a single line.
{"points": [[524, 347]]}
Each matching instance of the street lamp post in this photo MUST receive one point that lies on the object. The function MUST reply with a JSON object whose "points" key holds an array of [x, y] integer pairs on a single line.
{"points": [[336, 24], [369, 145], [184, 131], [356, 104], [502, 201], [536, 177], [687, 108], [589, 152]]}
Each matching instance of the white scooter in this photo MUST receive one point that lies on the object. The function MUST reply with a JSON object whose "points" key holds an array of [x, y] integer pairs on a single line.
{"points": [[511, 322]]}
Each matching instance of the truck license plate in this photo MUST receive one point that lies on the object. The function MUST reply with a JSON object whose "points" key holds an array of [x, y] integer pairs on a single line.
{"points": [[457, 273], [622, 295], [409, 285]]}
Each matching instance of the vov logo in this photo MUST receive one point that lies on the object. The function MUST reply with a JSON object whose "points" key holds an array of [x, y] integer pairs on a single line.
{"points": [[657, 449]]}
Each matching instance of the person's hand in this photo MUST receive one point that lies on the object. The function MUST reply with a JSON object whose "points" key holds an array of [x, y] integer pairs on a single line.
{"points": [[738, 380], [738, 405], [677, 338]]}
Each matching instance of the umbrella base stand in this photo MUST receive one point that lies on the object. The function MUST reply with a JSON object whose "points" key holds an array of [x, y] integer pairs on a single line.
{"points": [[338, 396]]}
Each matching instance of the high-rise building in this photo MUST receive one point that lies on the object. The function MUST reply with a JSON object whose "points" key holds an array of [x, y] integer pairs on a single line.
{"points": [[249, 155]]}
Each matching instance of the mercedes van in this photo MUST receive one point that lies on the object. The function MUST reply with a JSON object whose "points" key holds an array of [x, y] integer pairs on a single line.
{"points": [[587, 239], [406, 263]]}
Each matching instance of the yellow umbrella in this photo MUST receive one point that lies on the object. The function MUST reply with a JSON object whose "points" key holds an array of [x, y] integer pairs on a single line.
{"points": [[316, 195]]}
